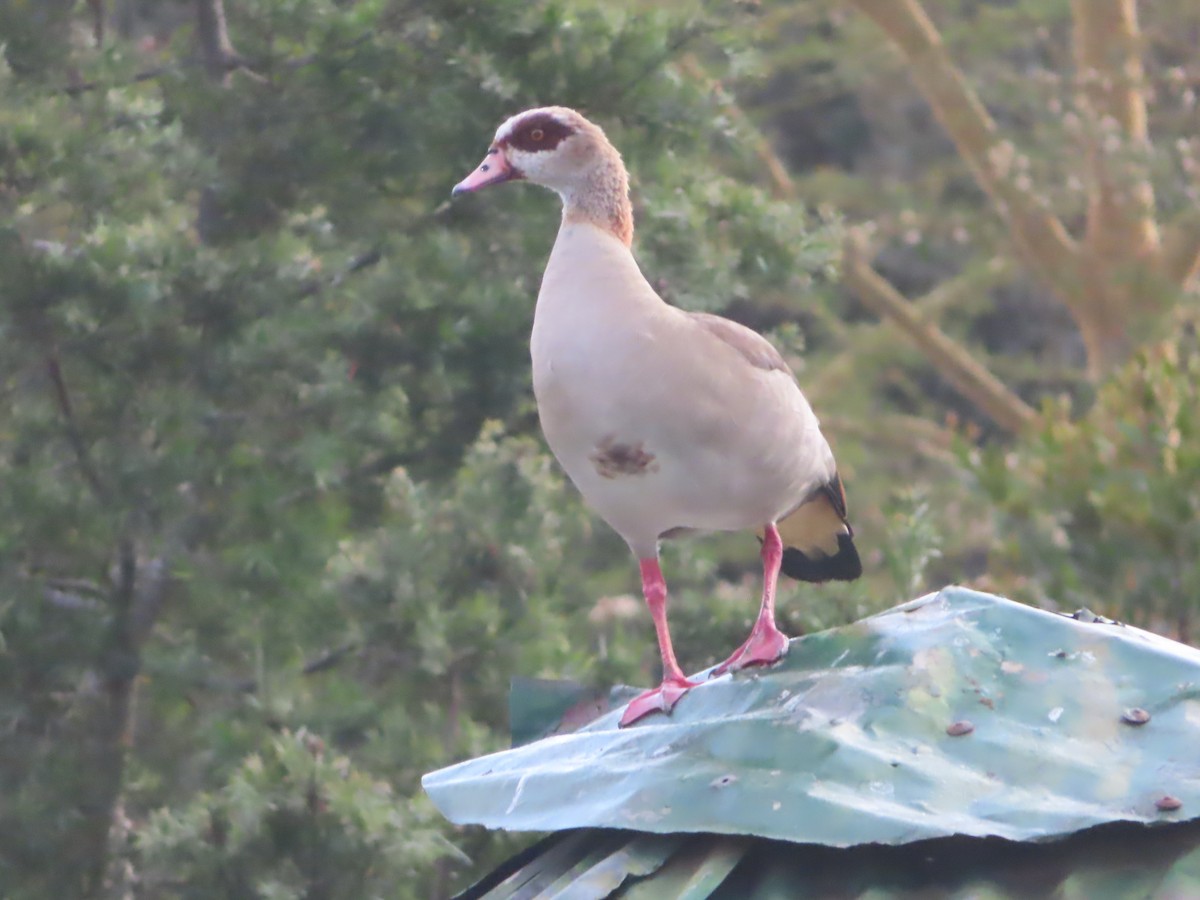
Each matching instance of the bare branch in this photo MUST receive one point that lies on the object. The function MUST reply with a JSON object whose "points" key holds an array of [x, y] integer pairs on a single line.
{"points": [[951, 360], [213, 32], [922, 436], [84, 586], [236, 62], [329, 659], [873, 340], [1107, 45], [74, 438], [69, 600], [1181, 248], [1039, 235], [145, 75], [782, 187]]}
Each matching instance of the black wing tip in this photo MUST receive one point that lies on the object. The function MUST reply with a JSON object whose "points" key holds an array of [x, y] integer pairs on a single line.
{"points": [[842, 566]]}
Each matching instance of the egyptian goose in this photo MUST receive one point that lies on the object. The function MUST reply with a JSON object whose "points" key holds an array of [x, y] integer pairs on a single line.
{"points": [[667, 421]]}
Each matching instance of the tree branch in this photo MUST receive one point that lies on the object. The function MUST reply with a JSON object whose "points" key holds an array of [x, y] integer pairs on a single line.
{"points": [[873, 340], [1106, 45], [1120, 221], [105, 741], [74, 438], [1039, 235], [324, 662], [1181, 248], [236, 62], [782, 187], [329, 659], [137, 78], [213, 32], [927, 438], [951, 360], [101, 732]]}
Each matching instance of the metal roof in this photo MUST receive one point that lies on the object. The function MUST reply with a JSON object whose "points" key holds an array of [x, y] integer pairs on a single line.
{"points": [[959, 714]]}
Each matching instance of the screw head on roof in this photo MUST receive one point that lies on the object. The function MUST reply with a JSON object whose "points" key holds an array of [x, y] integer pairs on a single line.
{"points": [[958, 729], [1135, 716]]}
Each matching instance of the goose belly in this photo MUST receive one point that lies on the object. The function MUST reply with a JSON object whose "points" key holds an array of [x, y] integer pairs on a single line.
{"points": [[649, 462]]}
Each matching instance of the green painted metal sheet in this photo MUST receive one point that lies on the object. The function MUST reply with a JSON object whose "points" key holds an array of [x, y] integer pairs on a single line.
{"points": [[539, 707], [960, 713]]}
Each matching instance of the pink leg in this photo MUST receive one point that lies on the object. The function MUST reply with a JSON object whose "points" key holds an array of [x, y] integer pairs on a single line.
{"points": [[766, 643], [674, 684]]}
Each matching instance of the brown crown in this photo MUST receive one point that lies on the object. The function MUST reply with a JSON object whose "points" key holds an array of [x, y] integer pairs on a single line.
{"points": [[537, 133]]}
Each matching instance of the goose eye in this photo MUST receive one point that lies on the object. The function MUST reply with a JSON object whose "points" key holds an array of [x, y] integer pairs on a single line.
{"points": [[537, 134]]}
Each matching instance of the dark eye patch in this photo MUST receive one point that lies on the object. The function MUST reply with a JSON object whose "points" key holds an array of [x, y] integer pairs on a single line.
{"points": [[540, 132]]}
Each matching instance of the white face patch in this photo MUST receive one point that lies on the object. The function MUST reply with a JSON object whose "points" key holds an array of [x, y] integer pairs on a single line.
{"points": [[507, 128], [551, 146]]}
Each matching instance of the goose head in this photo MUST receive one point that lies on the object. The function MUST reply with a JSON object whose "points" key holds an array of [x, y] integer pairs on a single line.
{"points": [[552, 146], [559, 149]]}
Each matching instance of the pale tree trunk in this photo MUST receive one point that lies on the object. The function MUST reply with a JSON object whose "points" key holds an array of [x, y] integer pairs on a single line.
{"points": [[1108, 73], [955, 363], [1037, 233], [1125, 268], [1181, 250], [1121, 244]]}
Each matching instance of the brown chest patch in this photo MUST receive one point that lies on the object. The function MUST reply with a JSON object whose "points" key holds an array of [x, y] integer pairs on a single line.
{"points": [[613, 458]]}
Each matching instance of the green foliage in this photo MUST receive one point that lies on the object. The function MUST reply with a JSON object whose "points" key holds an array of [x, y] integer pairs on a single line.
{"points": [[1103, 511], [249, 354], [290, 822]]}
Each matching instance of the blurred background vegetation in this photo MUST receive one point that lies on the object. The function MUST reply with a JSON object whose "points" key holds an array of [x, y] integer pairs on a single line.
{"points": [[276, 523]]}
